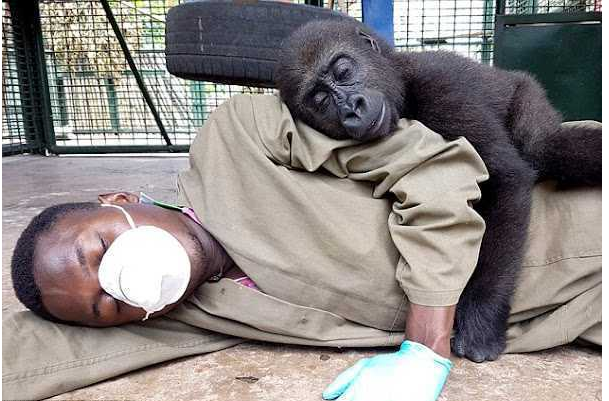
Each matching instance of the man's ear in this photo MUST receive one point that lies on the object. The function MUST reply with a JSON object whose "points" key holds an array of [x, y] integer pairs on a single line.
{"points": [[118, 198]]}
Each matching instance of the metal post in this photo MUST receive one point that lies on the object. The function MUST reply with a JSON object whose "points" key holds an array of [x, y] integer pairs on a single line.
{"points": [[535, 4], [32, 75], [487, 32], [113, 104], [59, 95], [197, 90], [135, 71], [378, 15], [61, 100], [500, 10], [318, 3]]}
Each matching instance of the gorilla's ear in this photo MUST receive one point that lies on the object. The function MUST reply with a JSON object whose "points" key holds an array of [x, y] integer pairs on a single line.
{"points": [[370, 39]]}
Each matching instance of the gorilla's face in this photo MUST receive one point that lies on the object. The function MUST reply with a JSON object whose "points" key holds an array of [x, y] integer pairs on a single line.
{"points": [[340, 101], [335, 77]]}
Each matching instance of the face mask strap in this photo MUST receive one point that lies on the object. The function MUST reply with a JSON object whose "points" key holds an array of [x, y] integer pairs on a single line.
{"points": [[147, 200], [129, 219]]}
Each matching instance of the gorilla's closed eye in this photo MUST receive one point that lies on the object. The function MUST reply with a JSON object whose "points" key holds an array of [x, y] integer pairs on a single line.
{"points": [[320, 98], [342, 70]]}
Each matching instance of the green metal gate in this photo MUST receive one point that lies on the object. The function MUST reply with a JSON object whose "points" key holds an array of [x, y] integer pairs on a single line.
{"points": [[23, 126], [563, 51]]}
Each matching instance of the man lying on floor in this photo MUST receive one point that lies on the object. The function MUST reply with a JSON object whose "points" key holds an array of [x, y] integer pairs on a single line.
{"points": [[360, 253]]}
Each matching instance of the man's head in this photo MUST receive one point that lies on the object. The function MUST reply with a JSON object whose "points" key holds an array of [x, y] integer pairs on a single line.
{"points": [[56, 260], [22, 264]]}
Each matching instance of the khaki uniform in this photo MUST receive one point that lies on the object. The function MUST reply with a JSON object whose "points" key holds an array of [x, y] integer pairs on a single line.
{"points": [[338, 255]]}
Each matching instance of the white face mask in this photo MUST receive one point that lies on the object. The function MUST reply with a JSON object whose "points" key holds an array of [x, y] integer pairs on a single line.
{"points": [[145, 267]]}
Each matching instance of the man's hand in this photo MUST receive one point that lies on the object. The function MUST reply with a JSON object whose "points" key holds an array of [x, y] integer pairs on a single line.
{"points": [[431, 326], [414, 373]]}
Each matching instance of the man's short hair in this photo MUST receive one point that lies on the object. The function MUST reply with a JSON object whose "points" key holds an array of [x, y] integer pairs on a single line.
{"points": [[22, 263]]}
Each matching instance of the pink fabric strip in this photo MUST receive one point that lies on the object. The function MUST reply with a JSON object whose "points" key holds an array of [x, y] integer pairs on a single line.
{"points": [[191, 213], [248, 282]]}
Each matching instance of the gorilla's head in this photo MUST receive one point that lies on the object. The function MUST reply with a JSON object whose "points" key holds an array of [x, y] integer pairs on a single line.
{"points": [[338, 77]]}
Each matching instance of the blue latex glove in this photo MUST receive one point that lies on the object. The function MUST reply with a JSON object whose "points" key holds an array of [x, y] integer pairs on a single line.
{"points": [[414, 373]]}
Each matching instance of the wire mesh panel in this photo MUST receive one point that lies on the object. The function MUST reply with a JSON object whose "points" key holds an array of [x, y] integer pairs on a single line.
{"points": [[550, 6], [94, 95], [463, 26]]}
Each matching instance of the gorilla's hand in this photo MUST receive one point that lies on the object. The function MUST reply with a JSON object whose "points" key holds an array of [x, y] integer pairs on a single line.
{"points": [[479, 330]]}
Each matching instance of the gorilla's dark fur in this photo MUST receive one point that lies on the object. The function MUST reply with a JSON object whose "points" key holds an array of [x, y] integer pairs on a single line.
{"points": [[346, 82]]}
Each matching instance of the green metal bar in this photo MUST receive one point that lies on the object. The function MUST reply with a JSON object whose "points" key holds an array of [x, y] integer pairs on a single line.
{"points": [[22, 42], [45, 95], [133, 67], [500, 10], [113, 104], [32, 142], [58, 97], [534, 4], [15, 149], [32, 75], [487, 31], [198, 97], [549, 18], [61, 99], [127, 73]]}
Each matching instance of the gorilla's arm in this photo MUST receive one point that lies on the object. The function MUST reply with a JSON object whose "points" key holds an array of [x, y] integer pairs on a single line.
{"points": [[432, 223], [481, 317], [456, 96]]}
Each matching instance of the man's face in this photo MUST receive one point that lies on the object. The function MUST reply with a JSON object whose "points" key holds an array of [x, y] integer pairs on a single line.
{"points": [[67, 259]]}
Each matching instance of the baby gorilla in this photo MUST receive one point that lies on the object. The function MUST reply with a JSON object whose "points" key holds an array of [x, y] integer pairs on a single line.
{"points": [[346, 82]]}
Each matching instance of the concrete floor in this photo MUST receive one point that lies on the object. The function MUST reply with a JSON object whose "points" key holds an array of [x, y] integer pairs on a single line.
{"points": [[277, 372]]}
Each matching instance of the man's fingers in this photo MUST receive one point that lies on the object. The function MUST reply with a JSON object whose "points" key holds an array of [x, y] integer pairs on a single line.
{"points": [[343, 380], [353, 394]]}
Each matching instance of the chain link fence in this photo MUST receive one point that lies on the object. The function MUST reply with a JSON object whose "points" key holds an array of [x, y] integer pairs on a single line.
{"points": [[94, 98]]}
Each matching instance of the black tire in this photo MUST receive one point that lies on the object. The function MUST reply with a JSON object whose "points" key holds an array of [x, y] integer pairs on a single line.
{"points": [[232, 42]]}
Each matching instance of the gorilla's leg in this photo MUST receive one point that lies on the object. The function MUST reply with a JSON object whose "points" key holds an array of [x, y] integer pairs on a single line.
{"points": [[570, 153], [484, 306]]}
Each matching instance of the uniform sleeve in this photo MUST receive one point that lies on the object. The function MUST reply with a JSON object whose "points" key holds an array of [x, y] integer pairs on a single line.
{"points": [[432, 223], [432, 182]]}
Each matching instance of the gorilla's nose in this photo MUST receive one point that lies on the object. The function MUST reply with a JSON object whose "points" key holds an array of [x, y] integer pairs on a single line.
{"points": [[357, 104], [352, 111]]}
